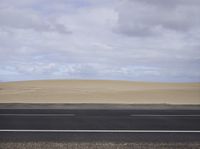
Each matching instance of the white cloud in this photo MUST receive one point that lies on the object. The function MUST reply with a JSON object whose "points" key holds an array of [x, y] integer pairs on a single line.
{"points": [[130, 39]]}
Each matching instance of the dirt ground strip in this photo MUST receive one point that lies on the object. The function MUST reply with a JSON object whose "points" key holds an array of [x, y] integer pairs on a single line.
{"points": [[54, 145]]}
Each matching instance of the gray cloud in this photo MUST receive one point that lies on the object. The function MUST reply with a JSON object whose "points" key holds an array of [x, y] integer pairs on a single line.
{"points": [[15, 18], [144, 18]]}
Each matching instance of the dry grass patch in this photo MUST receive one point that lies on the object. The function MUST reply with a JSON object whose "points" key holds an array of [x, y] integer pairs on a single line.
{"points": [[114, 92]]}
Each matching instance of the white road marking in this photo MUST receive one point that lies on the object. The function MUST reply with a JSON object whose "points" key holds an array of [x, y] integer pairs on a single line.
{"points": [[164, 115], [103, 131], [37, 114]]}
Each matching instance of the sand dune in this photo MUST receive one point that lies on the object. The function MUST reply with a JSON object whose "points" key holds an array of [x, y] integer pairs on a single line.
{"points": [[84, 91]]}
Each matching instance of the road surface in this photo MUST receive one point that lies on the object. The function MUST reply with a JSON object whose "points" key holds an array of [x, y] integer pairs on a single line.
{"points": [[127, 125]]}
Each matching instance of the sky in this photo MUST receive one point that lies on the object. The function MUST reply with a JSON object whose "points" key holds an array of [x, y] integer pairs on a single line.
{"points": [[137, 40]]}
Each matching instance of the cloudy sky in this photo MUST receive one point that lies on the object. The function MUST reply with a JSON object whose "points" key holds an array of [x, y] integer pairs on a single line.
{"points": [[139, 40]]}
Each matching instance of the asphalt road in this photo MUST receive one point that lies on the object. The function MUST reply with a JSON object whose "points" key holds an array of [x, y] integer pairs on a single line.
{"points": [[55, 119], [127, 125]]}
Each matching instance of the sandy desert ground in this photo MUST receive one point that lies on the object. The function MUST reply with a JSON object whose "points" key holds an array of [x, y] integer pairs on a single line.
{"points": [[93, 91]]}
